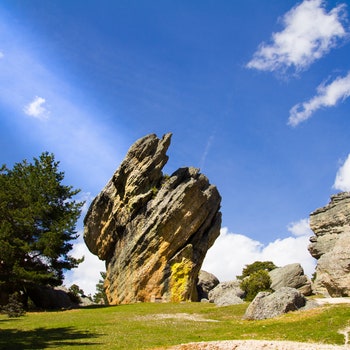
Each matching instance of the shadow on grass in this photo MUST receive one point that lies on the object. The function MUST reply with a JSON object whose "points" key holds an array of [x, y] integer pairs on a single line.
{"points": [[43, 338]]}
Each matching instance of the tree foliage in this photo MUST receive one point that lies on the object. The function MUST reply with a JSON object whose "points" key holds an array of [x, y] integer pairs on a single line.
{"points": [[255, 278], [256, 266], [76, 290], [37, 224]]}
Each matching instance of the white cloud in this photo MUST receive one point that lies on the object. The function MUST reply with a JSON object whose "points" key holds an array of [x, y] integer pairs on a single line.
{"points": [[87, 274], [231, 252], [36, 108], [300, 228], [342, 179], [226, 259], [1, 55], [309, 33], [327, 96]]}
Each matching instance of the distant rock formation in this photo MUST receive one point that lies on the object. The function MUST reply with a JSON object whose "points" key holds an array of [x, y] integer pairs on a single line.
{"points": [[268, 305], [227, 293], [331, 246], [55, 298], [206, 282], [153, 230], [291, 275]]}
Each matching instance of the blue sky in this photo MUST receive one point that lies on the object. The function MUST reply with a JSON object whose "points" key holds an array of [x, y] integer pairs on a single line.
{"points": [[255, 93]]}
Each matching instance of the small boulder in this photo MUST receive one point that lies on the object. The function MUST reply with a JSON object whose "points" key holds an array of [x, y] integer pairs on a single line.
{"points": [[292, 276], [227, 293], [206, 282], [268, 305]]}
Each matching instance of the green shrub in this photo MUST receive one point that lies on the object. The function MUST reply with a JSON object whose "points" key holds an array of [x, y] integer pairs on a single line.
{"points": [[15, 307], [258, 281]]}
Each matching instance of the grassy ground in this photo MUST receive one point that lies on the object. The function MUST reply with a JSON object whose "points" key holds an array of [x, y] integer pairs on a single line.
{"points": [[148, 326]]}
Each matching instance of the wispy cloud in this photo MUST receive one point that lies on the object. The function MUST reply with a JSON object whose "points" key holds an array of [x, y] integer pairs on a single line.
{"points": [[327, 96], [1, 55], [309, 33], [206, 151], [37, 108], [88, 150], [342, 178], [231, 252]]}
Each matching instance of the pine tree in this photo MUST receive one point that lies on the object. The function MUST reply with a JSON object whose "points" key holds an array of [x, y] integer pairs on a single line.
{"points": [[37, 224], [100, 295], [15, 307]]}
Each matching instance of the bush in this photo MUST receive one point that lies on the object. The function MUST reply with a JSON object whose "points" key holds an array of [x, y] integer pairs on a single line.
{"points": [[257, 282], [15, 307]]}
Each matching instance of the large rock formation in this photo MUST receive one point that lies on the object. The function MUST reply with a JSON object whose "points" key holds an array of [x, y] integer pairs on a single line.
{"points": [[292, 276], [331, 246], [153, 230]]}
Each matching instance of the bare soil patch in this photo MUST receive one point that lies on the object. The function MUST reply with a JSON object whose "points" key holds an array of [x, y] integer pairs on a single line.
{"points": [[257, 345]]}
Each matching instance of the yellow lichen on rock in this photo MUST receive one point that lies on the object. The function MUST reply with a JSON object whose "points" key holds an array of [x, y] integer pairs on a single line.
{"points": [[179, 285]]}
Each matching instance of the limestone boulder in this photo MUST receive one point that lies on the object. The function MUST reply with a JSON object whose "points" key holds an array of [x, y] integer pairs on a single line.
{"points": [[206, 282], [292, 276], [331, 246], [227, 293], [153, 230], [269, 305]]}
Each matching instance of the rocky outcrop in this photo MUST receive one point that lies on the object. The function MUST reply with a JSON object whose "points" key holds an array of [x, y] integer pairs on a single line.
{"points": [[153, 230], [206, 282], [268, 305], [227, 293], [331, 246], [292, 276], [55, 298]]}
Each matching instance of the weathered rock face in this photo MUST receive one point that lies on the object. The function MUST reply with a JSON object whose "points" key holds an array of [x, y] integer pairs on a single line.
{"points": [[268, 305], [331, 246], [153, 230], [292, 276]]}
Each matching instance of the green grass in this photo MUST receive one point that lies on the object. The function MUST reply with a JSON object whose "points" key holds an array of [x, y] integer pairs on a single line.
{"points": [[138, 327]]}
